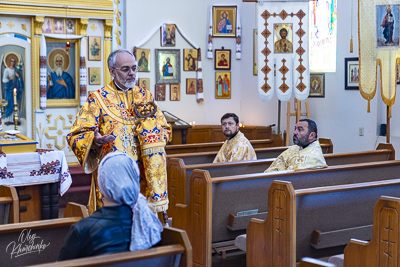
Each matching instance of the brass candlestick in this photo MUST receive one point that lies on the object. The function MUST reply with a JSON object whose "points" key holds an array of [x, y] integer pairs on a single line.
{"points": [[16, 115], [3, 104]]}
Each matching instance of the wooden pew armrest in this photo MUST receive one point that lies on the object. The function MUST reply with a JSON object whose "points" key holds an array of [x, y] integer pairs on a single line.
{"points": [[358, 242], [339, 237], [258, 221], [173, 236], [5, 200], [122, 257], [256, 240], [181, 221], [310, 262], [8, 193], [236, 223], [75, 210]]}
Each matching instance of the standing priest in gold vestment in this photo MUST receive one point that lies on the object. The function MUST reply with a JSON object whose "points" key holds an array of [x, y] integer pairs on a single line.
{"points": [[123, 117]]}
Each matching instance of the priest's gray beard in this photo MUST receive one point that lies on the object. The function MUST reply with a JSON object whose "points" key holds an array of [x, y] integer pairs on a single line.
{"points": [[59, 70]]}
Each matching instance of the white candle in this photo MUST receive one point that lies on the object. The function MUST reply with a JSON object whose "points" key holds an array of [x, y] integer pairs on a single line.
{"points": [[15, 95]]}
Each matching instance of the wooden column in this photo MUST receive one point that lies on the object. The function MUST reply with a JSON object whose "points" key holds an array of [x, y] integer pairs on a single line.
{"points": [[108, 23], [387, 124]]}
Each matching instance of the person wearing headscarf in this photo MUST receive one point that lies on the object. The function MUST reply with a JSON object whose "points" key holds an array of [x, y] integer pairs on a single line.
{"points": [[125, 223]]}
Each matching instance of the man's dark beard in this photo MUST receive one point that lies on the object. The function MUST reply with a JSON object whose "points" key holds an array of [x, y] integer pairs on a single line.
{"points": [[229, 137], [303, 143]]}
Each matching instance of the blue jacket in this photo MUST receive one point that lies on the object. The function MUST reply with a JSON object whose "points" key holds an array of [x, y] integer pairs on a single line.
{"points": [[107, 231]]}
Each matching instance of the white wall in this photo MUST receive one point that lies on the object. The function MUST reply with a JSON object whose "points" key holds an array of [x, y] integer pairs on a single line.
{"points": [[339, 115]]}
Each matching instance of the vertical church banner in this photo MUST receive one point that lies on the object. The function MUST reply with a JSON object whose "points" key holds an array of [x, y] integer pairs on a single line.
{"points": [[378, 27], [283, 43]]}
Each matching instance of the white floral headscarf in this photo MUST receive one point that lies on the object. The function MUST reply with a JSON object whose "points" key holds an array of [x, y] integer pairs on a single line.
{"points": [[118, 180]]}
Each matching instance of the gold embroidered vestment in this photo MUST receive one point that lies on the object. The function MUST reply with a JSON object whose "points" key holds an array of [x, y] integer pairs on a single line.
{"points": [[236, 149], [296, 158], [112, 112]]}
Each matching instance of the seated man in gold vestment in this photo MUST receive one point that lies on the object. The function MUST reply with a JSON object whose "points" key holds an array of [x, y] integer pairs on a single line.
{"points": [[236, 147], [306, 153], [123, 117]]}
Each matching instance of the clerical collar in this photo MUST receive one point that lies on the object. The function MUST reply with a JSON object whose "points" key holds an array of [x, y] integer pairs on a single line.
{"points": [[229, 138], [308, 144], [119, 88]]}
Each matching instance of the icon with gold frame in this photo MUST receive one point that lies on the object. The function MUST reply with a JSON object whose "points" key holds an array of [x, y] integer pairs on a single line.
{"points": [[223, 85], [143, 59], [191, 86], [144, 83], [224, 21], [168, 35], [94, 76], [190, 59], [222, 59], [175, 92], [70, 72], [160, 92], [94, 48]]}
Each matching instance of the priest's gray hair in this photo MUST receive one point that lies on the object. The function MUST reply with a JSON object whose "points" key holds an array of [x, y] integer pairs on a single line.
{"points": [[112, 58], [56, 56]]}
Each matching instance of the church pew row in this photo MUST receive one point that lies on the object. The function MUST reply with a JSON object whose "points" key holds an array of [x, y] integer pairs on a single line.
{"points": [[213, 146], [179, 173], [37, 242], [211, 215], [383, 249], [313, 222], [80, 188], [174, 250], [9, 204], [196, 157]]}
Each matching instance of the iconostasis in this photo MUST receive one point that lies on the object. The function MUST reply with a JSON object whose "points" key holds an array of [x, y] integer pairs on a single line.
{"points": [[52, 56]]}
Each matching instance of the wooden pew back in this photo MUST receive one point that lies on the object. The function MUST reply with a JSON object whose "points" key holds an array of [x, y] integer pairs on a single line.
{"points": [[174, 250], [335, 213], [383, 249], [35, 242], [195, 157], [179, 173], [212, 200], [214, 146], [9, 204]]}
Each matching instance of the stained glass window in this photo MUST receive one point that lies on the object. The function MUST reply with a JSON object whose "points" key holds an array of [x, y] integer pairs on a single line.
{"points": [[323, 35]]}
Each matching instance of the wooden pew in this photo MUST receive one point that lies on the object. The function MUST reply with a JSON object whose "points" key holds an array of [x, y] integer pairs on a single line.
{"points": [[79, 191], [37, 242], [208, 151], [326, 145], [80, 187], [174, 250], [214, 146], [310, 262], [315, 222], [383, 249], [214, 202], [9, 204], [179, 173]]}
